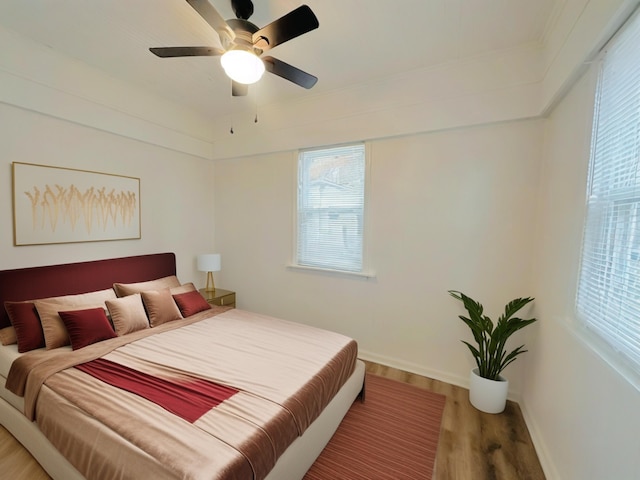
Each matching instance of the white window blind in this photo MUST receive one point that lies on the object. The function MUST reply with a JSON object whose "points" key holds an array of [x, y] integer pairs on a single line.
{"points": [[608, 298], [331, 189]]}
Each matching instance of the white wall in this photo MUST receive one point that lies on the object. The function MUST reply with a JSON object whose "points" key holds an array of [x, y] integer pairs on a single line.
{"points": [[581, 409], [40, 79], [57, 111], [449, 210], [482, 209], [431, 228], [176, 195]]}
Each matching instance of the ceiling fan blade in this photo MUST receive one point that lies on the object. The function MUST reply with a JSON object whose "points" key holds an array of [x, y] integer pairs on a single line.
{"points": [[213, 18], [293, 24], [239, 89], [169, 52], [289, 72]]}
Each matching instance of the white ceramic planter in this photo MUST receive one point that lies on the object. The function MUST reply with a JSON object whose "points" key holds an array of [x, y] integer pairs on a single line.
{"points": [[486, 395]]}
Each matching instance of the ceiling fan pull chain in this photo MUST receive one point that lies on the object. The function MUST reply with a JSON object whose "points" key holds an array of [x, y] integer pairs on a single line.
{"points": [[257, 91]]}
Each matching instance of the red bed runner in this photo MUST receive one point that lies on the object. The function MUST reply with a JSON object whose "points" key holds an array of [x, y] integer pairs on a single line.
{"points": [[188, 399]]}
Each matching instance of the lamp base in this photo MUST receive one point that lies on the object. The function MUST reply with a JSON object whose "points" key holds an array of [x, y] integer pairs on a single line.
{"points": [[211, 287]]}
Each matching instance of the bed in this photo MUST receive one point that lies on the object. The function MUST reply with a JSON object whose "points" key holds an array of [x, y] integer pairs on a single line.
{"points": [[199, 392]]}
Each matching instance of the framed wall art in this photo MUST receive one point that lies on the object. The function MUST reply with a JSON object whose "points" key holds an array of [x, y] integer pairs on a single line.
{"points": [[65, 205]]}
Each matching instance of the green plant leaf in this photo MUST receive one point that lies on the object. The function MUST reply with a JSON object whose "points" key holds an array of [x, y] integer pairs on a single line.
{"points": [[489, 353], [474, 352]]}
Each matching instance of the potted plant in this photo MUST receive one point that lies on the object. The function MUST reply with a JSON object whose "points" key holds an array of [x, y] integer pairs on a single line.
{"points": [[487, 388]]}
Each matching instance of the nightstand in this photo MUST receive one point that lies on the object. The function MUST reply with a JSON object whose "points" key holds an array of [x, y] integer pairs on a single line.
{"points": [[219, 296]]}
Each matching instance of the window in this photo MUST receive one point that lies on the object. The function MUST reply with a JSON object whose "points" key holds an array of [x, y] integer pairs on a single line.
{"points": [[331, 189], [608, 297]]}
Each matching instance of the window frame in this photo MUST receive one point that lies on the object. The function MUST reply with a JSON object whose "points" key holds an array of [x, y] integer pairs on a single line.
{"points": [[366, 271], [609, 350]]}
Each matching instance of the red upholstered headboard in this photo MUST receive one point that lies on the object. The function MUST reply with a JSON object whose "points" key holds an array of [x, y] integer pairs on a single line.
{"points": [[71, 278]]}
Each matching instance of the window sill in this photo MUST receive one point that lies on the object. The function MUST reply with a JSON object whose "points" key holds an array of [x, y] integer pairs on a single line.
{"points": [[615, 360], [331, 272]]}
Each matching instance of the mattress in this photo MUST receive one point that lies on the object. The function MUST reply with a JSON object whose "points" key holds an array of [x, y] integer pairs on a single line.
{"points": [[285, 374], [8, 353]]}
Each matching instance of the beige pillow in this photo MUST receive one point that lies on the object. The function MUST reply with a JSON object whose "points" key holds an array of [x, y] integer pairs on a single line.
{"points": [[124, 289], [184, 288], [8, 336], [91, 298], [55, 333], [128, 314], [160, 306]]}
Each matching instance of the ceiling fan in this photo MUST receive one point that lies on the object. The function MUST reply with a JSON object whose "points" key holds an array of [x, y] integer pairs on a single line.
{"points": [[243, 44]]}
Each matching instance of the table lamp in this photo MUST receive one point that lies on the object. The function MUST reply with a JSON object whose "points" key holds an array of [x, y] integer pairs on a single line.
{"points": [[209, 262]]}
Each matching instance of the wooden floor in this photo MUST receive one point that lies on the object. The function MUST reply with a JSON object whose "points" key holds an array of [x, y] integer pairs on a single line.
{"points": [[473, 445], [15, 462]]}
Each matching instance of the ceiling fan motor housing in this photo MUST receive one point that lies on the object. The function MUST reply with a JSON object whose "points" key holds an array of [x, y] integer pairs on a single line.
{"points": [[242, 8], [244, 31]]}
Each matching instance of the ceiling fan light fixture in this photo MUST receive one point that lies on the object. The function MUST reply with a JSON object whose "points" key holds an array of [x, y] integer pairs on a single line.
{"points": [[242, 66]]}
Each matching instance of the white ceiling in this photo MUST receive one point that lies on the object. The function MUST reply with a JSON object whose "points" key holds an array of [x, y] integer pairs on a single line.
{"points": [[357, 41]]}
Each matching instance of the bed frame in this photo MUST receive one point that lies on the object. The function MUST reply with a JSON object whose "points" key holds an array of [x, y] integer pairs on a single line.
{"points": [[83, 277], [71, 278]]}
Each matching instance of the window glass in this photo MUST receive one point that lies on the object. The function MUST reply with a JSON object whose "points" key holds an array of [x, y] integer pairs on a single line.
{"points": [[608, 299], [331, 194]]}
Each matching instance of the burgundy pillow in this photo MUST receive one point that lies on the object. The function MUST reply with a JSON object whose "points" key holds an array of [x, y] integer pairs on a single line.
{"points": [[87, 326], [24, 318], [191, 303]]}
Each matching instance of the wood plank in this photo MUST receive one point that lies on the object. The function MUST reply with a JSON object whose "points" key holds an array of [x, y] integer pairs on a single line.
{"points": [[475, 445], [16, 462]]}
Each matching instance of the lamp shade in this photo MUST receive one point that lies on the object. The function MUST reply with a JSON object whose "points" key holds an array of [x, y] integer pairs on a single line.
{"points": [[242, 66], [209, 262]]}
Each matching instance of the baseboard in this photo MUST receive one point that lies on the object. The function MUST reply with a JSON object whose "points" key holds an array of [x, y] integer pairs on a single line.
{"points": [[414, 368], [457, 380], [548, 467]]}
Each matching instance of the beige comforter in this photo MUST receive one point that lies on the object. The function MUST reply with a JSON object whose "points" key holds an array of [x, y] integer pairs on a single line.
{"points": [[286, 373]]}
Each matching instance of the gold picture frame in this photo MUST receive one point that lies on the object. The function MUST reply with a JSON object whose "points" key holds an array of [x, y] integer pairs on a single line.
{"points": [[66, 205]]}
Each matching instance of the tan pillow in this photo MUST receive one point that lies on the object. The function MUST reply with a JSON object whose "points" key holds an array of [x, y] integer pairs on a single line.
{"points": [[8, 336], [91, 298], [160, 307], [128, 314], [55, 333], [124, 289], [184, 288]]}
